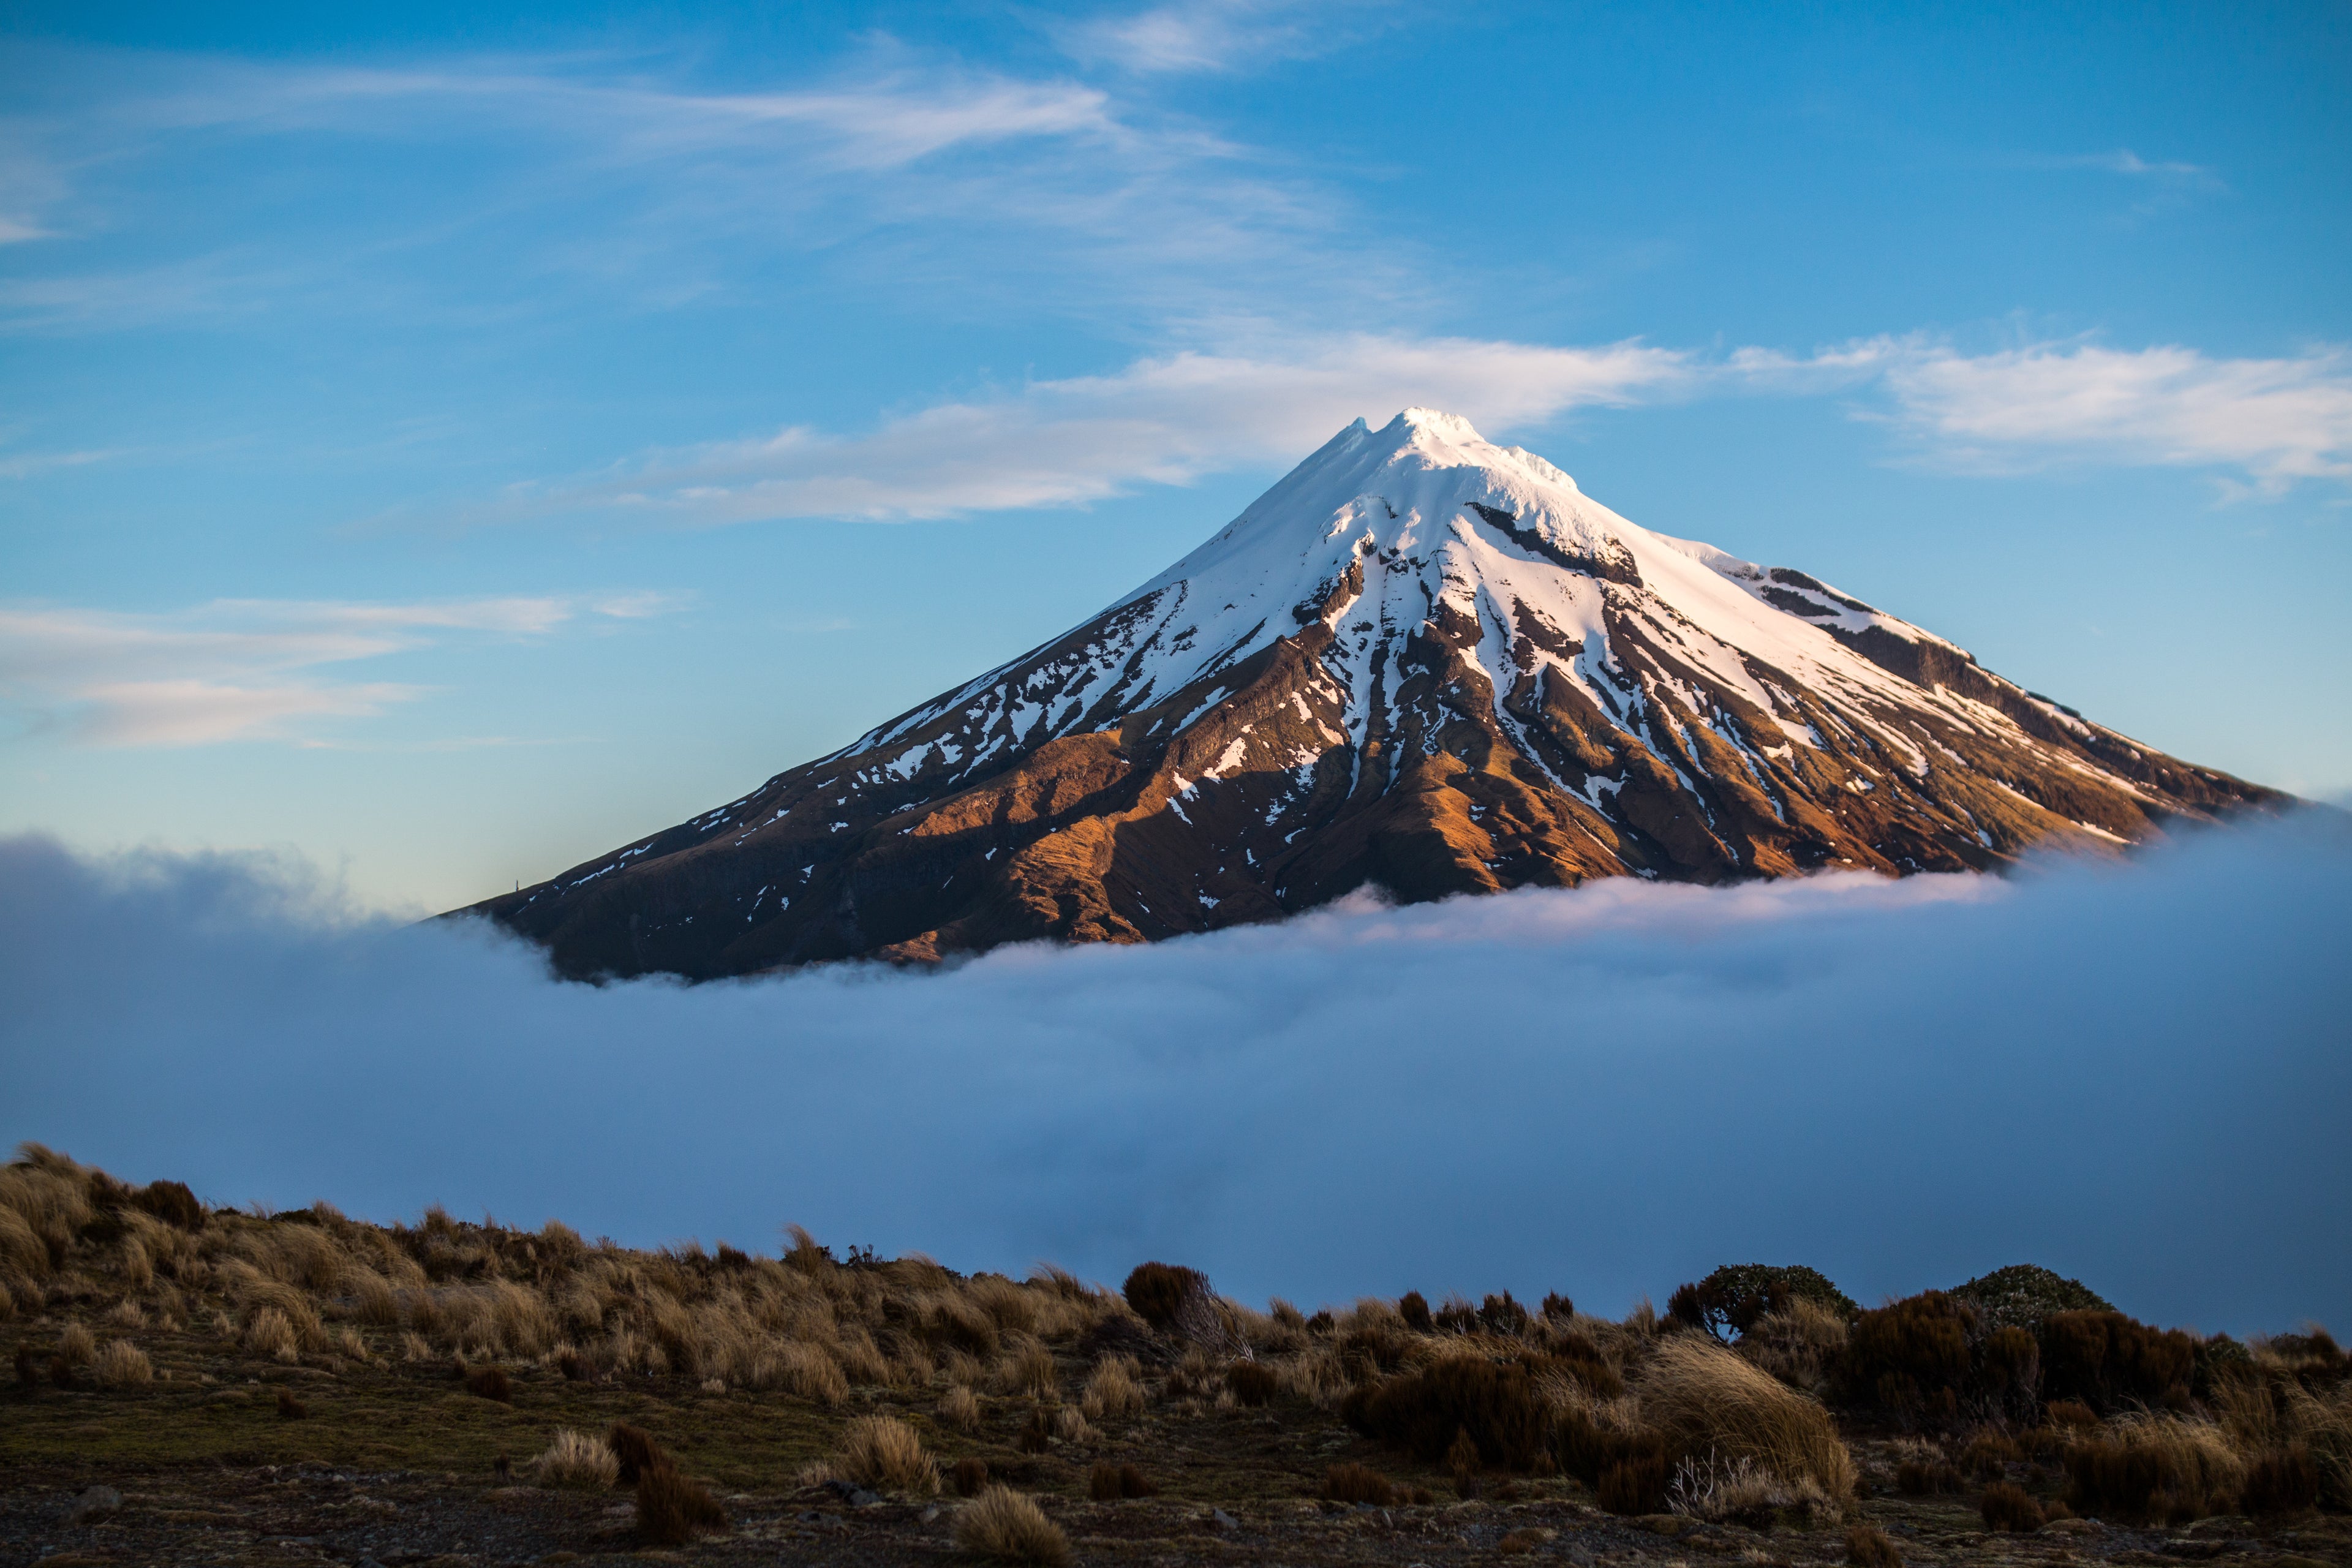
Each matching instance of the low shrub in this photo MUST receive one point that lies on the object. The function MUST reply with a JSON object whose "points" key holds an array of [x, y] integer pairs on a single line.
{"points": [[1414, 1307], [577, 1461], [2283, 1480], [2110, 1362], [971, 1475], [1557, 1309], [1925, 1475], [172, 1203], [1502, 1315], [490, 1382], [1158, 1291], [290, 1408], [1352, 1482], [1420, 1411], [1990, 1454], [2158, 1469], [635, 1451], [1735, 1297], [2007, 1507], [1108, 1482], [1003, 1524], [883, 1453], [1251, 1383], [1038, 1435], [1867, 1546], [1462, 1463], [1909, 1359], [1636, 1484], [673, 1507]]}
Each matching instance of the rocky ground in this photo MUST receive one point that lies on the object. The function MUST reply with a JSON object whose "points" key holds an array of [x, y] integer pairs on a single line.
{"points": [[396, 1466]]}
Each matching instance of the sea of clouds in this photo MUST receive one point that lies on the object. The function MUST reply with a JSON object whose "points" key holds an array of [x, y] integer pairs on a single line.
{"points": [[2139, 1074]]}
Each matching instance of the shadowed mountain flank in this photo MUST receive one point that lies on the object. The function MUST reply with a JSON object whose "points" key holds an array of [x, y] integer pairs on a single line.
{"points": [[1420, 660]]}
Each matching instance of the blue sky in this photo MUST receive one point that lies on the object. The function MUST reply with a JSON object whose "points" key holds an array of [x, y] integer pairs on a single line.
{"points": [[451, 442]]}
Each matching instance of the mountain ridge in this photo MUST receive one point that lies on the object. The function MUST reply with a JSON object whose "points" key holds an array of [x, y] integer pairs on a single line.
{"points": [[1418, 659]]}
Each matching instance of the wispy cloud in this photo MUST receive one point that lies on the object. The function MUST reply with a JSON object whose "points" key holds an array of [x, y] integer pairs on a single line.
{"points": [[2262, 424], [240, 669], [949, 181], [1224, 35], [2123, 161], [1164, 420]]}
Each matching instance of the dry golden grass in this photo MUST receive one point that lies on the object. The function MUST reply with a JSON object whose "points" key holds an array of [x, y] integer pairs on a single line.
{"points": [[577, 1460], [122, 1364], [883, 1453], [1798, 1344], [1706, 1399], [959, 1409], [1115, 1388], [1001, 1523], [78, 1344], [1027, 1370]]}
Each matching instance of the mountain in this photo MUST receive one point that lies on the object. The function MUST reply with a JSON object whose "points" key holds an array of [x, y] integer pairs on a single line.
{"points": [[1420, 660]]}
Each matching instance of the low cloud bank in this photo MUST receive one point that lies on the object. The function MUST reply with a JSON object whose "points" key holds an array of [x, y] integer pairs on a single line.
{"points": [[2139, 1074]]}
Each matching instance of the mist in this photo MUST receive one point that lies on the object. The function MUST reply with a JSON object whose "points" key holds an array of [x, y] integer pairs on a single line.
{"points": [[2136, 1073]]}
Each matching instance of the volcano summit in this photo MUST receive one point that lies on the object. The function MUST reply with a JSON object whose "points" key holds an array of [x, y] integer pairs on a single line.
{"points": [[1420, 660]]}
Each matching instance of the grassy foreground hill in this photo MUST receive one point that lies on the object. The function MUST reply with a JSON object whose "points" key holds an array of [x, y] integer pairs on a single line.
{"points": [[201, 1385]]}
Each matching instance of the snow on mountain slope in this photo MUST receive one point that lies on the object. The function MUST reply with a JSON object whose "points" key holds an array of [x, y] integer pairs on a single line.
{"points": [[1421, 660]]}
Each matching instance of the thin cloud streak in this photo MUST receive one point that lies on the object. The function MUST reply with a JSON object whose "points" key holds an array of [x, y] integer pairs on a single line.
{"points": [[1173, 419], [238, 669], [1224, 35], [672, 194], [2132, 1073]]}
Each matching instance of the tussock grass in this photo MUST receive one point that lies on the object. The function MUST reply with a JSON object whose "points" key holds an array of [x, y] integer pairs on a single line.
{"points": [[1114, 1388], [578, 1461], [883, 1453], [122, 1364], [78, 1344], [1706, 1399], [959, 1409], [1004, 1525], [2164, 1470], [673, 1508]]}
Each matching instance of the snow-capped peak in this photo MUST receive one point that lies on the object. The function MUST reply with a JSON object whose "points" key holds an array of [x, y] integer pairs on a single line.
{"points": [[1419, 659]]}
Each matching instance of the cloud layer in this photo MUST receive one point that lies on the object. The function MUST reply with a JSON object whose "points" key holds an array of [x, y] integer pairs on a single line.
{"points": [[2134, 1074]]}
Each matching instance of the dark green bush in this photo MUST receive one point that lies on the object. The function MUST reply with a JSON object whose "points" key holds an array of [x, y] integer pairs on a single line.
{"points": [[1727, 1303], [2024, 1294]]}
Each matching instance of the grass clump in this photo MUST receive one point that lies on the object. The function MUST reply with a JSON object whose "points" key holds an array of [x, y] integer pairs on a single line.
{"points": [[122, 1364], [1004, 1525], [2007, 1507], [2159, 1469], [673, 1508], [577, 1461], [1867, 1546], [882, 1453], [959, 1409], [1352, 1482], [970, 1477], [1707, 1400], [1114, 1388]]}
